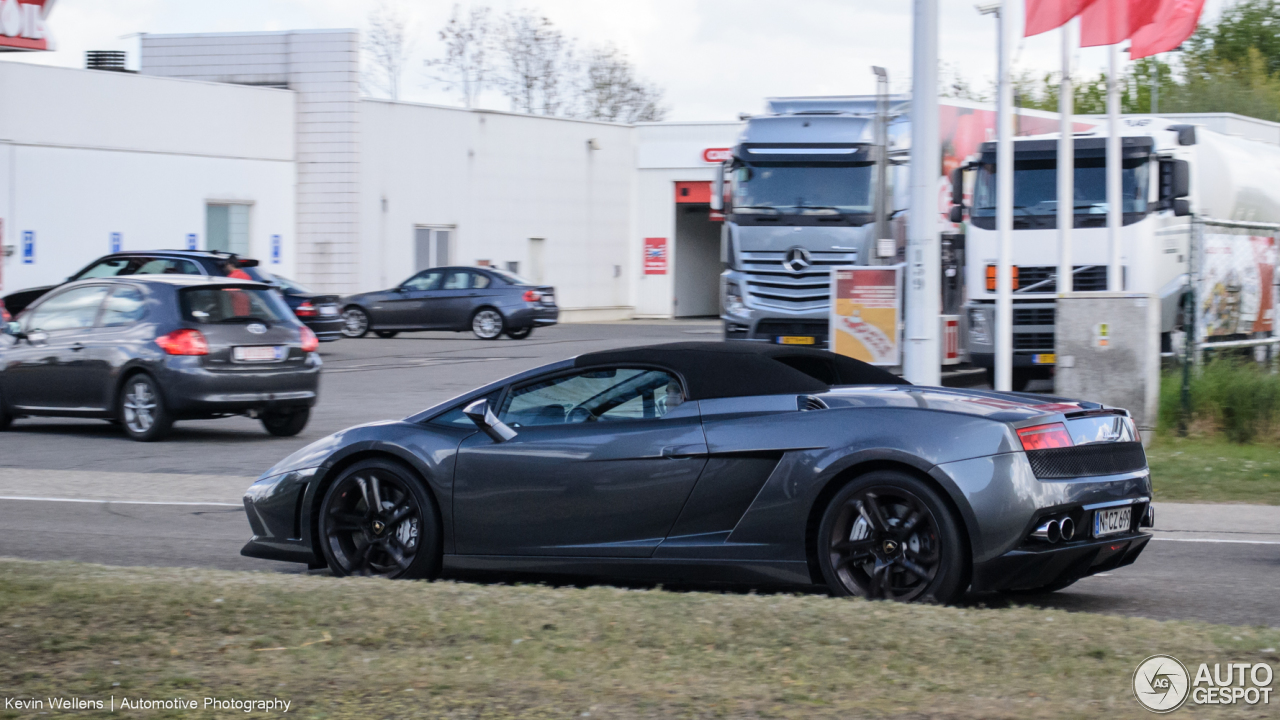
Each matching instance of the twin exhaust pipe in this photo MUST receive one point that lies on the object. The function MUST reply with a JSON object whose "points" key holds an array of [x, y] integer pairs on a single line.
{"points": [[1054, 530]]}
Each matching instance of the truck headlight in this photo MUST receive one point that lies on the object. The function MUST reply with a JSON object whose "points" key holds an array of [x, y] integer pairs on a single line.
{"points": [[733, 304], [979, 329]]}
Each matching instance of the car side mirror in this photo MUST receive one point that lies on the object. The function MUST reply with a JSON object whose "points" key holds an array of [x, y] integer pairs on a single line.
{"points": [[482, 415]]}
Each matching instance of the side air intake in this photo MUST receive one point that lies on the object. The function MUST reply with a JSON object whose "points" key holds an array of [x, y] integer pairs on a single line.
{"points": [[810, 402]]}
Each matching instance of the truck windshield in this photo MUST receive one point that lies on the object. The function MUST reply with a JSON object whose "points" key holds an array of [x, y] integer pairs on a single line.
{"points": [[1035, 187], [803, 189]]}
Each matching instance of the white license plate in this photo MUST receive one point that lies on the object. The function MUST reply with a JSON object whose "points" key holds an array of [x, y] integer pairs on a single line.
{"points": [[1112, 521], [329, 310], [258, 354], [548, 299]]}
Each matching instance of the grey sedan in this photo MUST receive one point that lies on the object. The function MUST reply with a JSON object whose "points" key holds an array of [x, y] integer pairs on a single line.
{"points": [[486, 301]]}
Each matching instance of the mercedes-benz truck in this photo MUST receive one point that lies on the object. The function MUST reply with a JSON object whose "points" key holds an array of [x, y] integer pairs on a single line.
{"points": [[1170, 171]]}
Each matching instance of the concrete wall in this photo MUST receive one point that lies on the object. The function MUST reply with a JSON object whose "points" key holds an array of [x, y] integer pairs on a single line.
{"points": [[84, 154], [323, 68], [500, 179]]}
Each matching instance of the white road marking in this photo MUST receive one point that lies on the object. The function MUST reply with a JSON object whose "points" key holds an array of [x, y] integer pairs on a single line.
{"points": [[120, 502], [1215, 540]]}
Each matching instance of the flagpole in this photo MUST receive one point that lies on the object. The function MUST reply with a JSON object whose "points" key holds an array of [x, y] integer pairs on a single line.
{"points": [[1115, 212], [1066, 168], [1004, 205]]}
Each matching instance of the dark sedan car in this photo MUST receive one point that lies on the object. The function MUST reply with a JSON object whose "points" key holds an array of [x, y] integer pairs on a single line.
{"points": [[317, 311], [486, 301], [145, 351], [144, 262], [734, 462]]}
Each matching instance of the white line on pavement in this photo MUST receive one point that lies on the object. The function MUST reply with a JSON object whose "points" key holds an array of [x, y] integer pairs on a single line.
{"points": [[1214, 540], [119, 502]]}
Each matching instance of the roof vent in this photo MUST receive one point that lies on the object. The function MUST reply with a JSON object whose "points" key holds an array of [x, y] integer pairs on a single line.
{"points": [[112, 60], [810, 402]]}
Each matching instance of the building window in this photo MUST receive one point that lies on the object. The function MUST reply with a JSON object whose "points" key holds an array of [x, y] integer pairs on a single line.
{"points": [[431, 247], [227, 228]]}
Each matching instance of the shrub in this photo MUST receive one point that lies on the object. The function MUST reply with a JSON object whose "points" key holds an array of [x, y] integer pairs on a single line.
{"points": [[1238, 398]]}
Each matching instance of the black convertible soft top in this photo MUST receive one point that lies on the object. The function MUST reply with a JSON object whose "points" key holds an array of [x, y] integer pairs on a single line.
{"points": [[737, 369]]}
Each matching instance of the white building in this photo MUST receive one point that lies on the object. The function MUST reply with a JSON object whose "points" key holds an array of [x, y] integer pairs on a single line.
{"points": [[259, 143]]}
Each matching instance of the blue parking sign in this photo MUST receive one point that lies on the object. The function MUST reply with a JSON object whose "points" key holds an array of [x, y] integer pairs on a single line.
{"points": [[115, 242], [191, 241], [28, 247], [275, 249]]}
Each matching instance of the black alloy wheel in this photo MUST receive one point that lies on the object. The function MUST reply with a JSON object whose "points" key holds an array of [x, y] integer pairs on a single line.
{"points": [[888, 535], [378, 520], [488, 324], [386, 334], [140, 409], [286, 424], [355, 322], [520, 333]]}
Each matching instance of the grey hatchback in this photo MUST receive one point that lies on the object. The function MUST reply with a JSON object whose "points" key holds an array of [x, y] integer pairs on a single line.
{"points": [[145, 351], [486, 301]]}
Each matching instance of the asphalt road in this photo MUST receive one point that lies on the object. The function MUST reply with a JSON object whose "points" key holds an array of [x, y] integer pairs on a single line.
{"points": [[78, 490]]}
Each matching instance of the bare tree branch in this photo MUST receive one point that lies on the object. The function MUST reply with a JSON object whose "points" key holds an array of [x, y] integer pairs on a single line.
{"points": [[387, 46], [537, 64], [609, 89], [468, 60]]}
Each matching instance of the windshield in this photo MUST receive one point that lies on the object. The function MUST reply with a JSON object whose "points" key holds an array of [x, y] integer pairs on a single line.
{"points": [[800, 189], [233, 304], [1035, 187]]}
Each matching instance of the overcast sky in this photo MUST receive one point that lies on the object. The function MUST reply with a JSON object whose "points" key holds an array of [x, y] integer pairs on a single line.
{"points": [[713, 58]]}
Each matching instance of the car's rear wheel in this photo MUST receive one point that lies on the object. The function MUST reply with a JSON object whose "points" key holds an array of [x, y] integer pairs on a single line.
{"points": [[888, 535], [487, 324], [520, 333], [355, 322], [378, 520], [386, 334], [141, 409], [286, 424]]}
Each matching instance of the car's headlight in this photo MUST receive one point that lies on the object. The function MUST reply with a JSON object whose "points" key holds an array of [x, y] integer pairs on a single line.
{"points": [[979, 329], [733, 304]]}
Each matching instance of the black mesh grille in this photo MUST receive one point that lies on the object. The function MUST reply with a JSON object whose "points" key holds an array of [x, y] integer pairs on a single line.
{"points": [[1033, 316], [1085, 277], [1033, 341], [1087, 460], [771, 328]]}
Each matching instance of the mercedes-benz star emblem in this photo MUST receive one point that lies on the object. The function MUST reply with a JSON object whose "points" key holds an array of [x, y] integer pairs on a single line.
{"points": [[797, 260], [256, 328]]}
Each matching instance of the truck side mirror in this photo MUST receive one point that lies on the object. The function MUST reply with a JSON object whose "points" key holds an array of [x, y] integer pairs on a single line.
{"points": [[956, 214], [482, 415], [957, 187], [1175, 179], [1181, 207], [717, 189]]}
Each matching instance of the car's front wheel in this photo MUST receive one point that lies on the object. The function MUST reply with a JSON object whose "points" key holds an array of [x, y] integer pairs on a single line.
{"points": [[141, 409], [520, 333], [286, 424], [377, 519], [888, 535], [355, 322], [487, 324]]}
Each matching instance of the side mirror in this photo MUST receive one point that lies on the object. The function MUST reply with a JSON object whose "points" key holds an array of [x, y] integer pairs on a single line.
{"points": [[481, 414], [1175, 179], [717, 189], [956, 214], [1181, 207], [957, 187]]}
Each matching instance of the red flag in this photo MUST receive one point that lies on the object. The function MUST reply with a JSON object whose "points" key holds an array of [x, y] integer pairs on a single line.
{"points": [[1045, 15], [1107, 22], [1175, 22]]}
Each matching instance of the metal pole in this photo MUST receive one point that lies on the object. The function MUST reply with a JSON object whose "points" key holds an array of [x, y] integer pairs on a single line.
{"points": [[922, 364], [1155, 86], [882, 162], [1189, 353], [1004, 208], [1066, 169], [1115, 212]]}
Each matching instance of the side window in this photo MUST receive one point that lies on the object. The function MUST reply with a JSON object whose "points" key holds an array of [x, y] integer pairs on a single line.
{"points": [[125, 306], [456, 280], [455, 419], [169, 266], [479, 281], [602, 395], [76, 308], [424, 281], [110, 267]]}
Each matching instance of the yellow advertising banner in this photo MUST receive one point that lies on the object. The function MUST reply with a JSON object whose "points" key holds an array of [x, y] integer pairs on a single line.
{"points": [[866, 313]]}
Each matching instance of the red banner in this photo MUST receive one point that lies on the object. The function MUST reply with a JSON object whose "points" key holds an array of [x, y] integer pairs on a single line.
{"points": [[24, 25], [655, 256]]}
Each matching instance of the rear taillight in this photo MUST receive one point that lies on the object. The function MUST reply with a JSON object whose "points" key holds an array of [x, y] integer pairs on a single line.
{"points": [[309, 340], [306, 309], [532, 296], [184, 342], [1045, 437]]}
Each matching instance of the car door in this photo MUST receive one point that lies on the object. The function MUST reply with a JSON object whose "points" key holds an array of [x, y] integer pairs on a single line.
{"points": [[600, 466], [114, 341], [457, 298], [405, 306], [47, 370]]}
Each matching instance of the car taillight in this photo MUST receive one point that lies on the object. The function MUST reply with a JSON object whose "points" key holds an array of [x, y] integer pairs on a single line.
{"points": [[532, 296], [306, 309], [1045, 437], [991, 277], [184, 342], [309, 340]]}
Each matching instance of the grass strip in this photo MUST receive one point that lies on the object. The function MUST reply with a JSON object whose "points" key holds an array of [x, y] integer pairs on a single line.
{"points": [[361, 648], [1213, 469]]}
